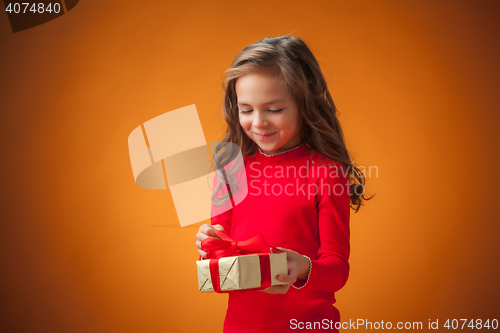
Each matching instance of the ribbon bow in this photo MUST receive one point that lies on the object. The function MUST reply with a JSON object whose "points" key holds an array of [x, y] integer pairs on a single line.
{"points": [[226, 247]]}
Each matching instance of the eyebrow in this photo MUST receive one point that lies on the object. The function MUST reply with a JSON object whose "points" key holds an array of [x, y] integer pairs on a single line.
{"points": [[271, 102]]}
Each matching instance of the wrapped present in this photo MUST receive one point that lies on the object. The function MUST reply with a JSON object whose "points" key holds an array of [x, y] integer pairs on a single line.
{"points": [[239, 265]]}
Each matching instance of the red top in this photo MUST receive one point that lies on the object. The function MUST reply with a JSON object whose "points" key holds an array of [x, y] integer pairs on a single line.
{"points": [[296, 204]]}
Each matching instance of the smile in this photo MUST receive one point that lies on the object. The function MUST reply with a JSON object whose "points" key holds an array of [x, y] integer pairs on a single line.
{"points": [[264, 136]]}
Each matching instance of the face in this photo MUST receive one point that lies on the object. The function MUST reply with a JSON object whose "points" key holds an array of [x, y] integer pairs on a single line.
{"points": [[268, 113]]}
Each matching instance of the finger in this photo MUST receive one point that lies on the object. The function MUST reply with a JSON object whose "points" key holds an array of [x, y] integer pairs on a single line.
{"points": [[206, 233], [265, 290], [276, 250], [199, 241], [277, 289], [270, 290], [287, 278], [208, 230], [209, 234], [289, 253], [284, 250], [204, 229], [201, 236], [211, 231], [284, 289], [199, 244], [202, 253], [219, 227]]}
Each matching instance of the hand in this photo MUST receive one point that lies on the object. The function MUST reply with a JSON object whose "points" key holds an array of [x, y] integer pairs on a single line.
{"points": [[298, 267], [206, 232]]}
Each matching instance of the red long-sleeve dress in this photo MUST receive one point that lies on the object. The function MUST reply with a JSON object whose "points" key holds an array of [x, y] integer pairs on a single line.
{"points": [[294, 204]]}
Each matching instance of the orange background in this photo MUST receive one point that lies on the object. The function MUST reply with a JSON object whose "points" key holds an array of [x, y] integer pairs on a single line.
{"points": [[83, 249]]}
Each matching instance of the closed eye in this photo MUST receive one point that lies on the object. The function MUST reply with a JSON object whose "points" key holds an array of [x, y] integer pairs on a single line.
{"points": [[248, 111]]}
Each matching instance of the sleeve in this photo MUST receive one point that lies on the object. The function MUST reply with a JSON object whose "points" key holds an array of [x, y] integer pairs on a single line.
{"points": [[330, 270], [222, 214], [224, 219]]}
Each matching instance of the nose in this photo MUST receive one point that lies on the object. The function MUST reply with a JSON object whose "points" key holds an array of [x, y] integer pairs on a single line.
{"points": [[259, 119]]}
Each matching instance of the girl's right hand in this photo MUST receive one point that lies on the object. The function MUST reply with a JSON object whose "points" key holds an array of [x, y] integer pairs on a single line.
{"points": [[206, 232]]}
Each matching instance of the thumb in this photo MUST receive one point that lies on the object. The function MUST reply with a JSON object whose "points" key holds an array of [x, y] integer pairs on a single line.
{"points": [[218, 227], [290, 254], [276, 249]]}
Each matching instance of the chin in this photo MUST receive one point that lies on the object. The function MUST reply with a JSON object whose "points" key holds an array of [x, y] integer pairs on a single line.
{"points": [[269, 147]]}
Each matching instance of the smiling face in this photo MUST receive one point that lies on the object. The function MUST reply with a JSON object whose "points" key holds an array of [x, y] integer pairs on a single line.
{"points": [[268, 113]]}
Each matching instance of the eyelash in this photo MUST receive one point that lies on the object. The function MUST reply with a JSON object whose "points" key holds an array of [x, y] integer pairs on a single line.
{"points": [[272, 111]]}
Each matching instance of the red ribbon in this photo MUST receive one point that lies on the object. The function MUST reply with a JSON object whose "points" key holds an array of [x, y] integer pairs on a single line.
{"points": [[226, 247]]}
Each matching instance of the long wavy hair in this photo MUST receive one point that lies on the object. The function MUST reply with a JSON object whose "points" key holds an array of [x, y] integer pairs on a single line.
{"points": [[292, 61]]}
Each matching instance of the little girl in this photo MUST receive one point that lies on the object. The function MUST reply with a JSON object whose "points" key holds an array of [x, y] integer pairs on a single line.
{"points": [[301, 186]]}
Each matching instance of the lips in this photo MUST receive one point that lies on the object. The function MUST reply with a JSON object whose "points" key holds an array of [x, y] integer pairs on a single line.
{"points": [[262, 136]]}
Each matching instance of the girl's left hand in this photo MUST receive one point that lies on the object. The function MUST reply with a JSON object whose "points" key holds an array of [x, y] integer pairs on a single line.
{"points": [[298, 267]]}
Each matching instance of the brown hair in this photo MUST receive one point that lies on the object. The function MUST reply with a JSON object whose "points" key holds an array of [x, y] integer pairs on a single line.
{"points": [[292, 61]]}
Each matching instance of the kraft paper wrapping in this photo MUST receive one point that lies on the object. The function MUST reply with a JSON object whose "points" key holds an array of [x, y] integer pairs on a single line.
{"points": [[173, 145], [240, 272]]}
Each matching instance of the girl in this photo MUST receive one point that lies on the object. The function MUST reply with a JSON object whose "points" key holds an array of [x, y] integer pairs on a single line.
{"points": [[301, 186]]}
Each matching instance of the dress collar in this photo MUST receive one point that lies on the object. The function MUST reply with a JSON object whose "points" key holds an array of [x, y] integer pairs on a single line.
{"points": [[283, 152], [293, 153]]}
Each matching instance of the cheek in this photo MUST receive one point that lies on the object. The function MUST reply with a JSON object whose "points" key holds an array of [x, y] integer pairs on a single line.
{"points": [[244, 123], [287, 124]]}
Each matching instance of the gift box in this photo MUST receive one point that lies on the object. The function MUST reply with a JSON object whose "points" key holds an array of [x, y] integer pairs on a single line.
{"points": [[239, 265]]}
